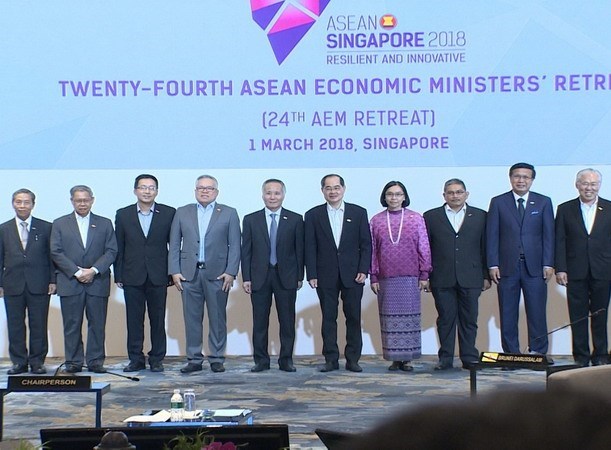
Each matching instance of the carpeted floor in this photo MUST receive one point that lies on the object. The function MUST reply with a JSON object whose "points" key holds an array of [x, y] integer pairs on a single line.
{"points": [[305, 400]]}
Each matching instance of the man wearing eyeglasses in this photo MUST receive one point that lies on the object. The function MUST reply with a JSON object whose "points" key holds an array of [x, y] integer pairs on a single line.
{"points": [[204, 259], [583, 265], [520, 257], [457, 233], [337, 258], [141, 270], [83, 246]]}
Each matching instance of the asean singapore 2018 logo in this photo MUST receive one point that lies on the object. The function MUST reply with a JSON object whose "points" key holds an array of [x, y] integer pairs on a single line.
{"points": [[286, 22]]}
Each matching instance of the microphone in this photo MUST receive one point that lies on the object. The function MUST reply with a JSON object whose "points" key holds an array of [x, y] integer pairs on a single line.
{"points": [[123, 376], [56, 373], [581, 319]]}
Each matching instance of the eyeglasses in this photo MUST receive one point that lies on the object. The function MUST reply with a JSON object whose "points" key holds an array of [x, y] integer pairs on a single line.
{"points": [[82, 201], [585, 184], [521, 177], [205, 188], [147, 188], [450, 193], [395, 194]]}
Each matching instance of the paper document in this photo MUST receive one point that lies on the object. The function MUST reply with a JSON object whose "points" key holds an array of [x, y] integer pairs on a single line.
{"points": [[161, 416]]}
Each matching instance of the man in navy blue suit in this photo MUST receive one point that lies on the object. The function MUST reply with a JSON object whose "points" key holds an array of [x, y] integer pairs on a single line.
{"points": [[520, 256]]}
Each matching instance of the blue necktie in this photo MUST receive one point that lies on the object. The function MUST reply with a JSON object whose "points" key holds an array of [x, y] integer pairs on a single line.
{"points": [[273, 232]]}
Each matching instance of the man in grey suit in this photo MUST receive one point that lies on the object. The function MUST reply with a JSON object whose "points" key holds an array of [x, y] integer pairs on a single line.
{"points": [[83, 246], [204, 258], [457, 233], [27, 279]]}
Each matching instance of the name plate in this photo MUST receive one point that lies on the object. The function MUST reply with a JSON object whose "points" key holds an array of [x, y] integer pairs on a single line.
{"points": [[514, 360], [48, 383]]}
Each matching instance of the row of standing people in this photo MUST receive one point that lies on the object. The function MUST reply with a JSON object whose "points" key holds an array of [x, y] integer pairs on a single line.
{"points": [[337, 246]]}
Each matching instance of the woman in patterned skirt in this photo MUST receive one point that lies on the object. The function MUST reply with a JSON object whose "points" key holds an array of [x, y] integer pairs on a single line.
{"points": [[400, 267]]}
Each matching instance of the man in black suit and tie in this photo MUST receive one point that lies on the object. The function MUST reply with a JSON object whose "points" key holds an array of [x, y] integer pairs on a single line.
{"points": [[83, 246], [337, 258], [272, 264], [141, 270], [583, 265], [27, 280], [457, 233], [520, 257], [204, 259]]}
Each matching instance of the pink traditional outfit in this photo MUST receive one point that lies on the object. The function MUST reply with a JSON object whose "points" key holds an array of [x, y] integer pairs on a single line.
{"points": [[401, 256]]}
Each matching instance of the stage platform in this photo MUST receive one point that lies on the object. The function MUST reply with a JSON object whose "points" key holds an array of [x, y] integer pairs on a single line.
{"points": [[305, 400]]}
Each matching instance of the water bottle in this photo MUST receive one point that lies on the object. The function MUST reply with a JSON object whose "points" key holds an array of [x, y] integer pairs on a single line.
{"points": [[176, 407], [189, 401]]}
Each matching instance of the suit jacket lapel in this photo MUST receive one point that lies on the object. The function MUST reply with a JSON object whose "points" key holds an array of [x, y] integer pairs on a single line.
{"points": [[74, 229], [135, 219], [599, 218], [215, 216], [326, 224], [93, 224], [443, 219], [513, 207], [261, 225]]}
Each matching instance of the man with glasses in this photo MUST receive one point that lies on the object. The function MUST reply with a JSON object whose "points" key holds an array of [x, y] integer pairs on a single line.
{"points": [[520, 257], [583, 265], [83, 246], [337, 258], [203, 260], [457, 234], [141, 270]]}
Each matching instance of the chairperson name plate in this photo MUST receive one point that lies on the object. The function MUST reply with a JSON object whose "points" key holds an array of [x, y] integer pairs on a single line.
{"points": [[48, 383]]}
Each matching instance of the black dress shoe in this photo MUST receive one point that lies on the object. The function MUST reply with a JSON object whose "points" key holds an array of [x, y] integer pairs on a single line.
{"points": [[353, 366], [329, 366], [407, 367], [17, 369], [96, 368], [217, 367], [443, 366], [260, 367], [73, 368], [396, 365], [157, 367], [133, 367], [287, 367], [597, 362], [38, 370], [191, 367]]}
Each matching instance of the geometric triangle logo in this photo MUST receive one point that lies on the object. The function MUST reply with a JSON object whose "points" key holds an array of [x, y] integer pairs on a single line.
{"points": [[286, 22]]}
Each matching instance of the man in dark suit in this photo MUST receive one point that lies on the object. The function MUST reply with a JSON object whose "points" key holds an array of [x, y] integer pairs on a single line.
{"points": [[583, 265], [204, 259], [337, 258], [83, 246], [457, 233], [141, 270], [27, 280], [520, 257], [272, 264]]}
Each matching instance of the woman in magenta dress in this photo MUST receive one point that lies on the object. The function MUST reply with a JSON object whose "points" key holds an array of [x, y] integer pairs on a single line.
{"points": [[400, 267]]}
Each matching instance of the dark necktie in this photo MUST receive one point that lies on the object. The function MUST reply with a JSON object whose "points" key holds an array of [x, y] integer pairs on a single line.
{"points": [[521, 209], [273, 232]]}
